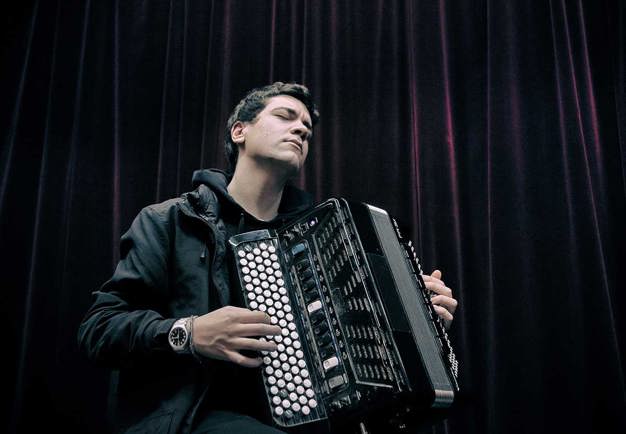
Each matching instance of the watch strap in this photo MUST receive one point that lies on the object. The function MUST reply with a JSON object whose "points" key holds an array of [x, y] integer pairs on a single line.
{"points": [[191, 346]]}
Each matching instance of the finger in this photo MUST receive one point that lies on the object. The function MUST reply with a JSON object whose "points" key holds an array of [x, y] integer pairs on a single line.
{"points": [[257, 329], [436, 274], [252, 344], [254, 316], [439, 288], [443, 313], [240, 359], [427, 278], [235, 315], [449, 303]]}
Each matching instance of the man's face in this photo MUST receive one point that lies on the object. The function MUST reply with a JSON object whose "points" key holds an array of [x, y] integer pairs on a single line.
{"points": [[280, 134]]}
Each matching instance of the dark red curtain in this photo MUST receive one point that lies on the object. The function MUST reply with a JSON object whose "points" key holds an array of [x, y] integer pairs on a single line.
{"points": [[494, 130]]}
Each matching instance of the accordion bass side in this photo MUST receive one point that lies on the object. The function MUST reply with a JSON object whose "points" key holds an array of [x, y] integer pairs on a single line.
{"points": [[358, 329]]}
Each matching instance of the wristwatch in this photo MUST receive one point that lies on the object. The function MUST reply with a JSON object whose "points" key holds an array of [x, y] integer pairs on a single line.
{"points": [[180, 335]]}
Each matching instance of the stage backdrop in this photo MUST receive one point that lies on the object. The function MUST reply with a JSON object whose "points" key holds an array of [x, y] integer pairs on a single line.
{"points": [[495, 130]]}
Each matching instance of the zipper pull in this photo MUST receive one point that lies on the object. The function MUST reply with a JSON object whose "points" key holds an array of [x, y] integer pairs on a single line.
{"points": [[203, 255]]}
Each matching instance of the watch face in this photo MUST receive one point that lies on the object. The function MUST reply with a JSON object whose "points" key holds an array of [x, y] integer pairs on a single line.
{"points": [[178, 336]]}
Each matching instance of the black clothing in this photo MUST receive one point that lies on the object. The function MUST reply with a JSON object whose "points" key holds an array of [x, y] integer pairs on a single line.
{"points": [[218, 422], [174, 263]]}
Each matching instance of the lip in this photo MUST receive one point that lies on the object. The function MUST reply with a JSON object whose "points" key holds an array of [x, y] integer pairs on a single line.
{"points": [[297, 143]]}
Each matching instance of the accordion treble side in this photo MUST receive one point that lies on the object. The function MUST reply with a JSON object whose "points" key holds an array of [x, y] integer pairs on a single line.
{"points": [[359, 332]]}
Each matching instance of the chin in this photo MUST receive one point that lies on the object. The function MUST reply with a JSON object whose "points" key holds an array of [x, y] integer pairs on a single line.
{"points": [[293, 164], [289, 165]]}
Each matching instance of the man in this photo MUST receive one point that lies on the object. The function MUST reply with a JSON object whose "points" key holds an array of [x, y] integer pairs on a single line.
{"points": [[170, 319]]}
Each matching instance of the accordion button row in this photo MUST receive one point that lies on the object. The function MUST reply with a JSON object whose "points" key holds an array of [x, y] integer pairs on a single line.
{"points": [[286, 374]]}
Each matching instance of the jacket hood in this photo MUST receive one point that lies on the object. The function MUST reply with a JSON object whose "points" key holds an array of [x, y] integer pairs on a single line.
{"points": [[293, 201]]}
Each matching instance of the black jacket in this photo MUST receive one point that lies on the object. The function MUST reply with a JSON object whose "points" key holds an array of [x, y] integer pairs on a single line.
{"points": [[173, 265]]}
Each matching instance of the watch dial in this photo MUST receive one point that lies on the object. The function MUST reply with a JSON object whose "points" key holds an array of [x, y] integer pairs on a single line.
{"points": [[178, 336]]}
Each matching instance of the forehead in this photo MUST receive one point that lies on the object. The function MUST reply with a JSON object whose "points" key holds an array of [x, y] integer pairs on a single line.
{"points": [[289, 102]]}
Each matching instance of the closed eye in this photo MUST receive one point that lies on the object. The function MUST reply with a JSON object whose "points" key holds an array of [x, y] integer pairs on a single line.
{"points": [[289, 114]]}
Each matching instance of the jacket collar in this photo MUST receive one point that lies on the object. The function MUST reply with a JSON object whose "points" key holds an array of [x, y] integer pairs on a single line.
{"points": [[211, 183]]}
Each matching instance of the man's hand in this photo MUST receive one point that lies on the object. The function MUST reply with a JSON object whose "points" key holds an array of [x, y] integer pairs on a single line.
{"points": [[223, 333], [442, 300]]}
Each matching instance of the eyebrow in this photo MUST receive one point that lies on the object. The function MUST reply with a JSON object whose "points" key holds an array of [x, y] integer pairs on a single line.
{"points": [[292, 112]]}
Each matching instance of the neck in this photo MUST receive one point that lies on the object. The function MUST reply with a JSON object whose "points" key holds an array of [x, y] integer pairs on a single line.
{"points": [[258, 191]]}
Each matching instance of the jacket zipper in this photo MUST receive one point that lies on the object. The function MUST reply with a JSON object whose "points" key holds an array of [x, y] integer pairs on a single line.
{"points": [[213, 230]]}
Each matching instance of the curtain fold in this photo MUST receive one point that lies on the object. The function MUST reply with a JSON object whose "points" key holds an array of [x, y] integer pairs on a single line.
{"points": [[494, 131]]}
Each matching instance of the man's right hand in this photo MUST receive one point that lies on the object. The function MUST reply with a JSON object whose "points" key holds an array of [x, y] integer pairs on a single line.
{"points": [[223, 333]]}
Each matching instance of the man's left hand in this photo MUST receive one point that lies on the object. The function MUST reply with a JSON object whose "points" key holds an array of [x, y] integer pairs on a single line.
{"points": [[443, 301]]}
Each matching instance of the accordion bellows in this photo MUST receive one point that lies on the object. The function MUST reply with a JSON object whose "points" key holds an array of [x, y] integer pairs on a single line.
{"points": [[358, 329]]}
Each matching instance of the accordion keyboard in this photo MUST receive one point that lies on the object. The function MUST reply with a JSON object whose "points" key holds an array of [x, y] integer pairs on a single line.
{"points": [[286, 371]]}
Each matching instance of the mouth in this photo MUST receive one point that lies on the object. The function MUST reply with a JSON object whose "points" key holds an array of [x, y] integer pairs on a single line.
{"points": [[295, 143]]}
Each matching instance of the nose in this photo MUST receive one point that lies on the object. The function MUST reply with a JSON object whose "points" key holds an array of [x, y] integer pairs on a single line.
{"points": [[300, 129]]}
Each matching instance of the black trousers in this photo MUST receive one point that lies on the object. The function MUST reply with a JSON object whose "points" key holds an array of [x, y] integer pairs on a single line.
{"points": [[220, 421], [228, 422]]}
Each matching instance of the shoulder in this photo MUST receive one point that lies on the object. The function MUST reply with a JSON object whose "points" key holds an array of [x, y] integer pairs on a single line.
{"points": [[157, 218], [163, 209], [158, 212]]}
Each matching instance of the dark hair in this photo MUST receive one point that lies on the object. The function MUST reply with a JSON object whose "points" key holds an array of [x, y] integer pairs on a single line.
{"points": [[254, 102]]}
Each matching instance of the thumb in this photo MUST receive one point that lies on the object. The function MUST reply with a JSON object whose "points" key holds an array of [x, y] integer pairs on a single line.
{"points": [[436, 274]]}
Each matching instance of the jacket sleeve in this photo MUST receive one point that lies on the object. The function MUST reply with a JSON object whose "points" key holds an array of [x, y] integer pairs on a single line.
{"points": [[125, 321]]}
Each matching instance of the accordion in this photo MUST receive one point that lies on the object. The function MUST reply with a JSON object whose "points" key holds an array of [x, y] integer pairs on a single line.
{"points": [[359, 331]]}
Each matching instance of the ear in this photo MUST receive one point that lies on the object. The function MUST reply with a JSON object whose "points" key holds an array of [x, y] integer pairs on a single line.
{"points": [[237, 132]]}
